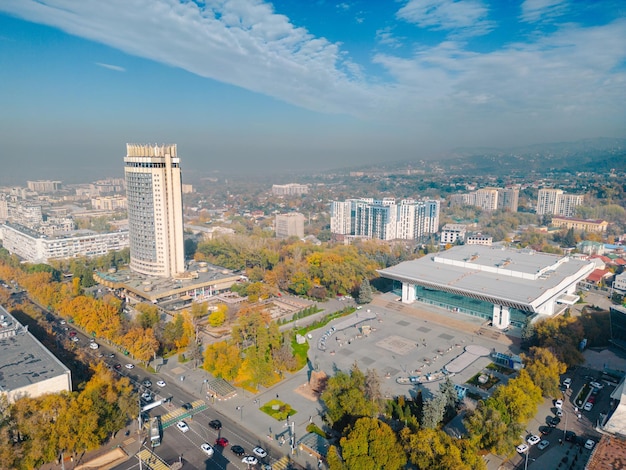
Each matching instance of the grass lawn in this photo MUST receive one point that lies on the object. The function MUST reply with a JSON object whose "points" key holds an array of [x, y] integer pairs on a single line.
{"points": [[278, 410]]}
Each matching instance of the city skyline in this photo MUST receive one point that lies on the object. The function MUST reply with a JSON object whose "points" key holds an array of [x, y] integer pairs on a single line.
{"points": [[254, 86]]}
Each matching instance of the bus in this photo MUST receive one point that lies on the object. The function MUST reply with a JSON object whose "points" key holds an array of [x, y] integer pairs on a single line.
{"points": [[155, 431]]}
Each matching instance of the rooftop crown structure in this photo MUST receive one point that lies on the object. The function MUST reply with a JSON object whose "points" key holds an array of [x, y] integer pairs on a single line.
{"points": [[155, 209]]}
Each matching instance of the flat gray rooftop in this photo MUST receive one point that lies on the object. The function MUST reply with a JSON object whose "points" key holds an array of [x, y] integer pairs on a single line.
{"points": [[518, 276], [23, 360]]}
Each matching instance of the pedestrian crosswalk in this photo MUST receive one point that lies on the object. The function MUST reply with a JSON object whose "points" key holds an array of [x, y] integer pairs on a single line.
{"points": [[152, 460], [281, 464]]}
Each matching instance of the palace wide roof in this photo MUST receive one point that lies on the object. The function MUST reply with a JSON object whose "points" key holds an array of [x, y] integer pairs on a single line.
{"points": [[522, 279]]}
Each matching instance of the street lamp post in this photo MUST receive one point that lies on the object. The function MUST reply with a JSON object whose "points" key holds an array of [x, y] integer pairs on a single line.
{"points": [[240, 408], [526, 461], [292, 428], [565, 428]]}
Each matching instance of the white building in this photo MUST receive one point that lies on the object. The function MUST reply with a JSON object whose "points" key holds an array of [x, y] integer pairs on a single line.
{"points": [[28, 368], [155, 209], [44, 186], [291, 189], [108, 203], [502, 285], [289, 225], [479, 239], [450, 233], [37, 248], [384, 219], [619, 283], [555, 202]]}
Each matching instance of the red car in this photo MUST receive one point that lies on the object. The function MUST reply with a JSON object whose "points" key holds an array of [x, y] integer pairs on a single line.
{"points": [[221, 441], [72, 334]]}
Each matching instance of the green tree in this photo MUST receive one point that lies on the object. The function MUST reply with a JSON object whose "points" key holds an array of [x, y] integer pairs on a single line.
{"points": [[365, 292], [371, 445], [345, 398], [433, 411], [148, 316]]}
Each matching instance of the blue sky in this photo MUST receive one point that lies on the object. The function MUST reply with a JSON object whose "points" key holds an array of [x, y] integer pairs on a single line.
{"points": [[253, 86]]}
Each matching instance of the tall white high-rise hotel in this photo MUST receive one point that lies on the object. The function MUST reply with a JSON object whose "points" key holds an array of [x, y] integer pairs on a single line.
{"points": [[155, 209]]}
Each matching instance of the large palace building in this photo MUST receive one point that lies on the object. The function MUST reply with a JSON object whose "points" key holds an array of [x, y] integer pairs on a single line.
{"points": [[499, 284], [155, 209]]}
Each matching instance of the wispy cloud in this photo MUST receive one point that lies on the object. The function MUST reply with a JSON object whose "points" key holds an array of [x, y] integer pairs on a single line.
{"points": [[386, 37], [240, 42], [461, 17], [117, 68], [343, 6], [542, 10]]}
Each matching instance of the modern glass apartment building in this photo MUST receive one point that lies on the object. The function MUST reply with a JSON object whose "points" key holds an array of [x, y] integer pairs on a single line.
{"points": [[155, 209]]}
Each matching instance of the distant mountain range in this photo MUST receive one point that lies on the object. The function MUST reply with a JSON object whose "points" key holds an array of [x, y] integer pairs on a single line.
{"points": [[594, 155]]}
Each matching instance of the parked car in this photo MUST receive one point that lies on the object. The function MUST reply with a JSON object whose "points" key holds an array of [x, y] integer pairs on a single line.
{"points": [[588, 406], [94, 345], [590, 444], [161, 383], [558, 404], [74, 339], [182, 426], [543, 444], [221, 441], [570, 436], [207, 449], [259, 452], [238, 450], [72, 333], [145, 396], [146, 383], [521, 448], [130, 366], [216, 424], [534, 439], [567, 382], [559, 413], [554, 421], [597, 385]]}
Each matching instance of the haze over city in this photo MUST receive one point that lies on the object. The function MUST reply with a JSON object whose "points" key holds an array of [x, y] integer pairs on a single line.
{"points": [[250, 85]]}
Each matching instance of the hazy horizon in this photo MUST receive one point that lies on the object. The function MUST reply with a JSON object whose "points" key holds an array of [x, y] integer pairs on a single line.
{"points": [[256, 87]]}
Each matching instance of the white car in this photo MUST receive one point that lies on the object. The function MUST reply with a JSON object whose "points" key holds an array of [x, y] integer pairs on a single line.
{"points": [[93, 345], [543, 444], [588, 406], [129, 366], [74, 339], [558, 404], [249, 460], [534, 439], [259, 452], [521, 448], [589, 444], [597, 385], [182, 426], [567, 382], [161, 383], [146, 396], [207, 449]]}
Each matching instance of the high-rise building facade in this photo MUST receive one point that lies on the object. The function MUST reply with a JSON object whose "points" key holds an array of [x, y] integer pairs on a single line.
{"points": [[554, 202], [384, 219], [289, 225], [155, 209], [508, 199]]}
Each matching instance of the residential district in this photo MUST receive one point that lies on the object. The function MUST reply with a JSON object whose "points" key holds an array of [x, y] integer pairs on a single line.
{"points": [[368, 319]]}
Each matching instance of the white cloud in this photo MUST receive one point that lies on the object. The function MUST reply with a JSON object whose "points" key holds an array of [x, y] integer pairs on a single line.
{"points": [[343, 6], [386, 37], [462, 17], [240, 42], [117, 68], [541, 10]]}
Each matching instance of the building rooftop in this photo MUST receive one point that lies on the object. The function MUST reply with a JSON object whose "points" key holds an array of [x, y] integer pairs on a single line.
{"points": [[523, 277], [23, 359], [197, 276]]}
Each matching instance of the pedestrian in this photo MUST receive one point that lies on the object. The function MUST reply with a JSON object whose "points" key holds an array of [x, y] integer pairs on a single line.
{"points": [[310, 419], [277, 395]]}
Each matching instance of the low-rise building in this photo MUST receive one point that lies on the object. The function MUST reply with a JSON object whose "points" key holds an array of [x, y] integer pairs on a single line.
{"points": [[28, 369], [585, 225], [37, 248], [479, 239], [451, 233]]}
